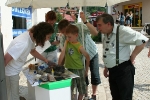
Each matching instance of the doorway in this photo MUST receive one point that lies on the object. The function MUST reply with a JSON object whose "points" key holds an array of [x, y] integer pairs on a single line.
{"points": [[136, 9]]}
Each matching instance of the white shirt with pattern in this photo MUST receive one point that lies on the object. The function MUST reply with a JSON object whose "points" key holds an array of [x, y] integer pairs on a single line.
{"points": [[127, 37]]}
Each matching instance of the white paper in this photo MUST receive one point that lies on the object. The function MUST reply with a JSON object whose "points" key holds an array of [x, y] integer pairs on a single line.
{"points": [[42, 49]]}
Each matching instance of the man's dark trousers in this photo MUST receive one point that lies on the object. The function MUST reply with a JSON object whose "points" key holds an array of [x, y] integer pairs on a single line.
{"points": [[121, 80]]}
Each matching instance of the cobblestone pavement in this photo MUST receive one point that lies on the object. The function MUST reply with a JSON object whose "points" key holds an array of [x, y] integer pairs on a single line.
{"points": [[142, 78]]}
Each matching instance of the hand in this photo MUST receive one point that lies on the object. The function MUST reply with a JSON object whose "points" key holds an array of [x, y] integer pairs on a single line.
{"points": [[148, 54], [106, 72], [132, 59], [50, 63], [82, 16], [55, 43], [86, 73], [46, 61]]}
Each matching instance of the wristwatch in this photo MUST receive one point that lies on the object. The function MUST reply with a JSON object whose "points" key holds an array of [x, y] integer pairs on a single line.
{"points": [[85, 22]]}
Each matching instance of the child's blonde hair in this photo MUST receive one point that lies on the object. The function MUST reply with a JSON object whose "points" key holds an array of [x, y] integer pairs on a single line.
{"points": [[72, 29]]}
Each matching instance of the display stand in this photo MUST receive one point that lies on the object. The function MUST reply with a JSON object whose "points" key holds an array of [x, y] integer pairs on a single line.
{"points": [[58, 90]]}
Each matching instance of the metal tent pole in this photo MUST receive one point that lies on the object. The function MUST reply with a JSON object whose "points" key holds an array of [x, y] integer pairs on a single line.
{"points": [[3, 92]]}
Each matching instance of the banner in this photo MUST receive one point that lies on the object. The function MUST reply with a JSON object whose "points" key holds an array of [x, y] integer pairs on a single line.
{"points": [[17, 32], [22, 12]]}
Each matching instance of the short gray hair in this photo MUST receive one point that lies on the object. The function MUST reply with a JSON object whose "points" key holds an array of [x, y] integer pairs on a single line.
{"points": [[106, 18]]}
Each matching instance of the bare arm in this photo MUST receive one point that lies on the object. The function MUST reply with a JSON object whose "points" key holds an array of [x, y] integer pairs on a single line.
{"points": [[87, 57], [55, 43], [7, 58], [92, 29], [62, 55], [37, 55], [136, 51], [149, 52]]}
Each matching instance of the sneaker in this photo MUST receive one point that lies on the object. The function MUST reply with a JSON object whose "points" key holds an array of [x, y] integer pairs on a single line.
{"points": [[22, 98], [86, 98], [93, 97]]}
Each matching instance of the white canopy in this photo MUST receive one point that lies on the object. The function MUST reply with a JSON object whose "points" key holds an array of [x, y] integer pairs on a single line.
{"points": [[36, 3], [60, 3], [102, 3]]}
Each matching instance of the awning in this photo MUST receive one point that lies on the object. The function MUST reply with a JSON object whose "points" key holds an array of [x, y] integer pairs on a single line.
{"points": [[60, 3]]}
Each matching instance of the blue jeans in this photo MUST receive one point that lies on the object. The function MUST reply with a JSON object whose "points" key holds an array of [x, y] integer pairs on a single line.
{"points": [[121, 22], [94, 68]]}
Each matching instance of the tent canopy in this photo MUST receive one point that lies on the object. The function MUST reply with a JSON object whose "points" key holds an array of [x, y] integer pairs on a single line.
{"points": [[60, 3]]}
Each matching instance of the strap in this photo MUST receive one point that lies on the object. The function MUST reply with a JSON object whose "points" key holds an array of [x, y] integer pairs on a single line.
{"points": [[1, 42], [117, 46]]}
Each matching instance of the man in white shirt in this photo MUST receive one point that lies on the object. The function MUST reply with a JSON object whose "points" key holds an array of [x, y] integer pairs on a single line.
{"points": [[121, 77]]}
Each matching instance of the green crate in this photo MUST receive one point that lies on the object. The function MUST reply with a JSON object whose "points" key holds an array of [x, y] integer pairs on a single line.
{"points": [[56, 85]]}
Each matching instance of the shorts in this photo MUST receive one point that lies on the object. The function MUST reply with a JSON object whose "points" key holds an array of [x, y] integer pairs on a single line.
{"points": [[78, 83], [94, 68]]}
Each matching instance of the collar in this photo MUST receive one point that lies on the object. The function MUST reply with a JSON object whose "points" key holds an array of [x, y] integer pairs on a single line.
{"points": [[115, 28]]}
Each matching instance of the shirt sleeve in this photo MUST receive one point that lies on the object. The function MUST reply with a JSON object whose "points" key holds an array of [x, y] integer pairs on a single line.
{"points": [[62, 40], [16, 50], [85, 28], [130, 36]]}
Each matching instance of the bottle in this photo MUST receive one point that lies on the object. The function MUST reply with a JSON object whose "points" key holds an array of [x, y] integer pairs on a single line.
{"points": [[52, 72]]}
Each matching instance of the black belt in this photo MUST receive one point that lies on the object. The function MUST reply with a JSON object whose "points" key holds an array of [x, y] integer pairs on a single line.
{"points": [[122, 65]]}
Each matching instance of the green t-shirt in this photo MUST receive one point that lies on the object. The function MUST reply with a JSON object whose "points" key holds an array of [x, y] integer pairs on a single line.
{"points": [[73, 57], [52, 39]]}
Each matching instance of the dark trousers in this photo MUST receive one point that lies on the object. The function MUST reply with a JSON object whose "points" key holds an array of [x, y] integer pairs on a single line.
{"points": [[121, 80]]}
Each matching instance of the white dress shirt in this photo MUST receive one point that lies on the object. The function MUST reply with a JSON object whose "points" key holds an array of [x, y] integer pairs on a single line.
{"points": [[127, 37]]}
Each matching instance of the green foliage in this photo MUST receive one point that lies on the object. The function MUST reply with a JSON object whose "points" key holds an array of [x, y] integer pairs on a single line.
{"points": [[94, 9], [97, 38], [59, 17]]}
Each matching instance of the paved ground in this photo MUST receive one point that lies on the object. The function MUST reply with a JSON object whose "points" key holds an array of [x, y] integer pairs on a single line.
{"points": [[142, 79]]}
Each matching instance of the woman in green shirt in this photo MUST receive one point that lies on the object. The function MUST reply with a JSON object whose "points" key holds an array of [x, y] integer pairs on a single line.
{"points": [[51, 52]]}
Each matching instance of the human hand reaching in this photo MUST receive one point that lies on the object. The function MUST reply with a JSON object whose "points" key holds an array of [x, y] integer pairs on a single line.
{"points": [[148, 54], [105, 72], [50, 63], [82, 16]]}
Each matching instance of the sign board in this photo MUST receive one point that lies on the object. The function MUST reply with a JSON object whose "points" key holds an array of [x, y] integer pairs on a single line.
{"points": [[17, 32], [22, 12]]}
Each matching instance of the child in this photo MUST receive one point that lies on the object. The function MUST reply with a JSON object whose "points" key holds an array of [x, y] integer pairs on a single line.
{"points": [[73, 52], [17, 53]]}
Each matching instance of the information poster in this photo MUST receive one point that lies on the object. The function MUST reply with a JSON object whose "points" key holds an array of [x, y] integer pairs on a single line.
{"points": [[22, 20]]}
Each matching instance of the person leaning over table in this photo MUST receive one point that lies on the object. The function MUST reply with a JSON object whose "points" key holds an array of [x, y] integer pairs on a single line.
{"points": [[51, 52], [90, 47], [17, 52], [121, 77]]}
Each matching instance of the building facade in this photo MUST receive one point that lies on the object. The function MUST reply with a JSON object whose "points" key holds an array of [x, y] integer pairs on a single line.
{"points": [[139, 8]]}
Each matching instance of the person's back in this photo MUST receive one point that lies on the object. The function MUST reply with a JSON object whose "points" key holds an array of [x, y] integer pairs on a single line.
{"points": [[127, 19], [122, 19]]}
